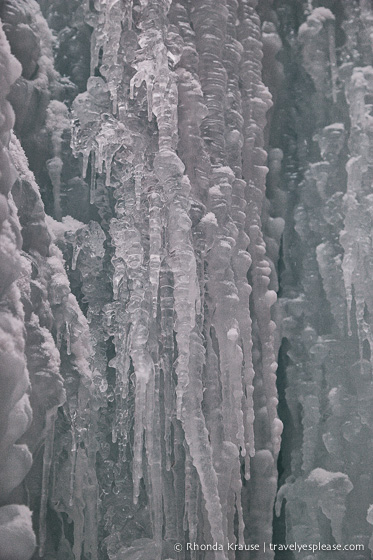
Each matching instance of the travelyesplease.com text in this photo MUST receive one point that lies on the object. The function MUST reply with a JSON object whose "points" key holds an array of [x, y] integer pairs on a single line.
{"points": [[294, 547]]}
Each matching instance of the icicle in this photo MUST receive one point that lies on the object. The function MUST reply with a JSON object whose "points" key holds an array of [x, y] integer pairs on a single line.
{"points": [[50, 421], [138, 174], [80, 467], [57, 122], [86, 155], [92, 192], [68, 338], [73, 461], [54, 167], [108, 163], [99, 155], [263, 300], [58, 336], [144, 370], [235, 356], [130, 8], [155, 235], [114, 433], [167, 334], [95, 53], [153, 446], [197, 438], [74, 260], [137, 471], [333, 60], [91, 502], [149, 87], [192, 490], [132, 89], [168, 169], [188, 484], [241, 523], [349, 309]]}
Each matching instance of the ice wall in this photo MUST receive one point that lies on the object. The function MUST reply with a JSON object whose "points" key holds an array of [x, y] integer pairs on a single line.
{"points": [[45, 338], [16, 535], [325, 359], [205, 168]]}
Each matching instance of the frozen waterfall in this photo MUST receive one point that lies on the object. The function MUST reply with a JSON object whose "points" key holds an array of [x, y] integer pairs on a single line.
{"points": [[186, 268]]}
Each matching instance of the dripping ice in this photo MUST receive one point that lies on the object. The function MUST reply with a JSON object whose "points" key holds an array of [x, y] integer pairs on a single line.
{"points": [[185, 220]]}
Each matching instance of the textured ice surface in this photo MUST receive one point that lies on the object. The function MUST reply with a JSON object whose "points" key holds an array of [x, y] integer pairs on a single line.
{"points": [[185, 203]]}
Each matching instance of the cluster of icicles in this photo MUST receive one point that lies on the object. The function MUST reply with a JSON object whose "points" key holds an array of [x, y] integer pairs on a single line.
{"points": [[328, 343], [197, 334]]}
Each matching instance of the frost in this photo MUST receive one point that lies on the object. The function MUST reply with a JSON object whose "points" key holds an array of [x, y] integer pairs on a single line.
{"points": [[209, 219], [16, 534], [324, 489]]}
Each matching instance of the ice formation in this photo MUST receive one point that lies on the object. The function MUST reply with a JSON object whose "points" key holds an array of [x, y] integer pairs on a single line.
{"points": [[186, 260]]}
